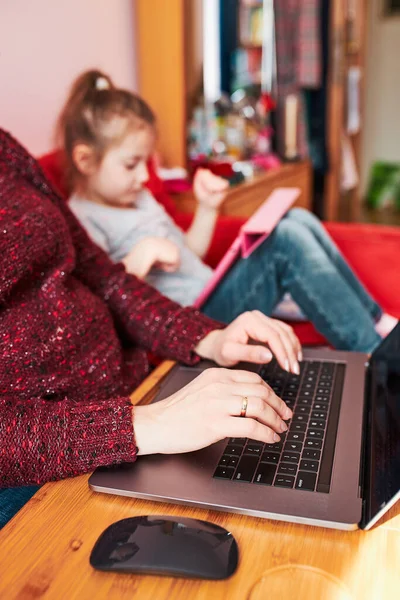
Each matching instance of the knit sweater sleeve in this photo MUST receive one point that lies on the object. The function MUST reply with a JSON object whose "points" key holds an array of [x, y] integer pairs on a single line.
{"points": [[42, 440], [141, 313]]}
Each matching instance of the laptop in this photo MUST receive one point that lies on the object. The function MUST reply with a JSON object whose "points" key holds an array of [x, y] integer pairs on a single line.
{"points": [[338, 465]]}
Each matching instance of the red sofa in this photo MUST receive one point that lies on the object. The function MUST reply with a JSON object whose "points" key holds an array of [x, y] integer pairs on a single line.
{"points": [[373, 251]]}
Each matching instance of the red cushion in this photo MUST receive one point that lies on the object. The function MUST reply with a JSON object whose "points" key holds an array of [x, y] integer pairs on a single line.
{"points": [[52, 165], [372, 250]]}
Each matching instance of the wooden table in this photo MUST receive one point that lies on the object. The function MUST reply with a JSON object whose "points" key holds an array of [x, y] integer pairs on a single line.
{"points": [[45, 551]]}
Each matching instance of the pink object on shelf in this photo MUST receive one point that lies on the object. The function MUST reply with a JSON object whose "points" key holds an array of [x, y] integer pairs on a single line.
{"points": [[252, 234], [266, 162]]}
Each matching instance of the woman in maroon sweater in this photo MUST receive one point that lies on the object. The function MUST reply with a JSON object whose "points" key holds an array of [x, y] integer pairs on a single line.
{"points": [[75, 330]]}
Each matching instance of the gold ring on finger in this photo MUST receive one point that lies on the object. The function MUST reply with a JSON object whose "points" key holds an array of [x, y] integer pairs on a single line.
{"points": [[245, 402]]}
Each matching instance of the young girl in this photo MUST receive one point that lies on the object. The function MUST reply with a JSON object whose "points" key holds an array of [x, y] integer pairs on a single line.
{"points": [[108, 135]]}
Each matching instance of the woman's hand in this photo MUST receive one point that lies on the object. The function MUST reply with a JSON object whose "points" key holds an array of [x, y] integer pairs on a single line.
{"points": [[207, 410], [209, 189], [233, 344], [152, 252]]}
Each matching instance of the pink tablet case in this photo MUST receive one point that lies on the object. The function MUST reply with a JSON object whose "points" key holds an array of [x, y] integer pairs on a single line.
{"points": [[252, 234]]}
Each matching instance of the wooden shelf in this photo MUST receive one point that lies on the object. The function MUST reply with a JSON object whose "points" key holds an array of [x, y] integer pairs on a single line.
{"points": [[244, 199]]}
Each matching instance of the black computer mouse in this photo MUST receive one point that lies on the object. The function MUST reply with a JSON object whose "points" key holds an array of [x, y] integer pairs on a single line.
{"points": [[160, 545]]}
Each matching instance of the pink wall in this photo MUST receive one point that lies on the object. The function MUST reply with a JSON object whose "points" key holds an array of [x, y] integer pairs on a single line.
{"points": [[44, 44]]}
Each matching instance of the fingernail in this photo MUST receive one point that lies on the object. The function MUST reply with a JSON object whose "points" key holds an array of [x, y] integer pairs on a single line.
{"points": [[287, 414], [300, 356], [266, 356], [276, 438], [287, 365], [296, 368], [284, 427]]}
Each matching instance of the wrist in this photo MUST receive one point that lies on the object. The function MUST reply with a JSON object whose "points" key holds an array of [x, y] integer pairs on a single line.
{"points": [[206, 209], [206, 347], [146, 437]]}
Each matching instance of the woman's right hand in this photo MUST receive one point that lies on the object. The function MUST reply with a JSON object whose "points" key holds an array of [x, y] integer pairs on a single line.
{"points": [[207, 410]]}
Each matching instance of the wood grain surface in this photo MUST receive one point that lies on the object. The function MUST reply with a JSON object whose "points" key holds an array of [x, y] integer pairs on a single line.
{"points": [[45, 551]]}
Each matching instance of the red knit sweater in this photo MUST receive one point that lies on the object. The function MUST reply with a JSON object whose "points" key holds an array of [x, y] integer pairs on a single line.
{"points": [[74, 331]]}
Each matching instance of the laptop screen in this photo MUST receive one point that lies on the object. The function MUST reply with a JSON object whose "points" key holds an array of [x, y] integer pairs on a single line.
{"points": [[382, 481]]}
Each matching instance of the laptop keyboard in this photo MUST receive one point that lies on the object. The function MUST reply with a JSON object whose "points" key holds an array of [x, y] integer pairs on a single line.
{"points": [[303, 459]]}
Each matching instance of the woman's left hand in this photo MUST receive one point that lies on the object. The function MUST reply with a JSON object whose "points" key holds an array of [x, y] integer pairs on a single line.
{"points": [[235, 343]]}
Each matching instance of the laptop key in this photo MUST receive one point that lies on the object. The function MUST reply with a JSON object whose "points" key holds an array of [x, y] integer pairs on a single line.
{"points": [[291, 457], [314, 444], [316, 424], [311, 454], [270, 457], [288, 395], [286, 481], [306, 481], [315, 434], [309, 465], [318, 405], [307, 385], [293, 446], [287, 469], [233, 461], [246, 468], [265, 473], [319, 414], [253, 450], [300, 418], [277, 447], [289, 403], [233, 450], [297, 427], [224, 472], [295, 436], [237, 441], [304, 401]]}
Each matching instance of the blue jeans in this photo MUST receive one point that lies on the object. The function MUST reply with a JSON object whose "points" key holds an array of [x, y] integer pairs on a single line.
{"points": [[299, 257]]}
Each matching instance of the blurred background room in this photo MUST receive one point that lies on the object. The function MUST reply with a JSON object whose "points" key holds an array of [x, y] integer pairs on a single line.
{"points": [[287, 93]]}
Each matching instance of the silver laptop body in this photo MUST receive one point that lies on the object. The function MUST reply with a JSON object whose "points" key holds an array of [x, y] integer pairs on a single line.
{"points": [[364, 481], [188, 478]]}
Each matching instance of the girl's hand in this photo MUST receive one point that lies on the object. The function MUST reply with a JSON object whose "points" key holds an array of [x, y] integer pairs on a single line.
{"points": [[229, 346], [209, 189], [207, 410], [166, 255], [152, 252]]}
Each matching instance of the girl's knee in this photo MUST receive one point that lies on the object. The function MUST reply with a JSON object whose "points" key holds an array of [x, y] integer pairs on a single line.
{"points": [[291, 231], [304, 216]]}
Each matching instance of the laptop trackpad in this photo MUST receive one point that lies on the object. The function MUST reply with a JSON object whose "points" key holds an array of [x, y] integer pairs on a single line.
{"points": [[180, 377]]}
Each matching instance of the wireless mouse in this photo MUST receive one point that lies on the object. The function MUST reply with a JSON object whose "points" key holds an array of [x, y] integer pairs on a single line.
{"points": [[162, 545]]}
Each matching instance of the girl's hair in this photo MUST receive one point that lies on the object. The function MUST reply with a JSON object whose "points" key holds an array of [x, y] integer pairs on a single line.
{"points": [[92, 104]]}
